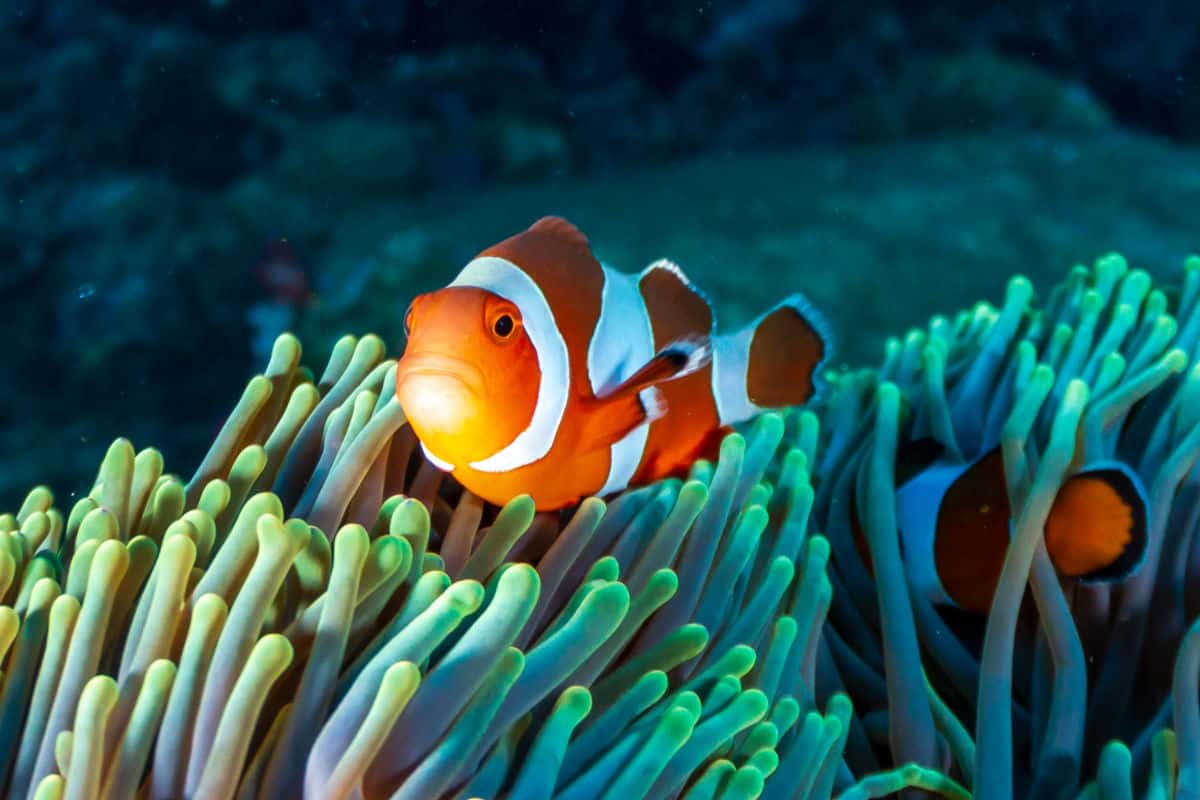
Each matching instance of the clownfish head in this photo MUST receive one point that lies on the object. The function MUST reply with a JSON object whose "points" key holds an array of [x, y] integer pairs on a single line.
{"points": [[469, 378]]}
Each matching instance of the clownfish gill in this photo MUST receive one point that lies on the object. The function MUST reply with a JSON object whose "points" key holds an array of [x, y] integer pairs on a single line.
{"points": [[540, 371], [955, 524]]}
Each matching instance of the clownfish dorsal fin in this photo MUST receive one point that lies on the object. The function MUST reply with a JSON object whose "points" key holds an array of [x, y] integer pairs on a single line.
{"points": [[563, 231], [1097, 526]]}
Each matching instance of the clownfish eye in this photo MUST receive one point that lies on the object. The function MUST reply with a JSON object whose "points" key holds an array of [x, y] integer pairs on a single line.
{"points": [[408, 318], [503, 326]]}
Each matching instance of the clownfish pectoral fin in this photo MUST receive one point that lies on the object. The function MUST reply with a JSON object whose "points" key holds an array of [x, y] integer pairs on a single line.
{"points": [[611, 417], [1096, 530], [618, 410], [679, 358]]}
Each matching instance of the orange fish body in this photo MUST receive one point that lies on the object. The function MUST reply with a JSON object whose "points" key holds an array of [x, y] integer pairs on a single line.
{"points": [[540, 371]]}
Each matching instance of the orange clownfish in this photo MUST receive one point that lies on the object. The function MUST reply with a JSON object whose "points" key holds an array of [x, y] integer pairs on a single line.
{"points": [[954, 522], [540, 371]]}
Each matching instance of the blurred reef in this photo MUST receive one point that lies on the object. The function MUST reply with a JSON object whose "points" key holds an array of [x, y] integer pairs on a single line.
{"points": [[183, 181]]}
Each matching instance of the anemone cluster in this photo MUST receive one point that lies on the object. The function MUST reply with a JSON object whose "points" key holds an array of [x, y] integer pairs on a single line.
{"points": [[319, 612], [1086, 681]]}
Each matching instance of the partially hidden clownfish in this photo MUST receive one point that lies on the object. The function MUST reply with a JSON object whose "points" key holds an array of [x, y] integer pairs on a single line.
{"points": [[955, 524], [540, 371]]}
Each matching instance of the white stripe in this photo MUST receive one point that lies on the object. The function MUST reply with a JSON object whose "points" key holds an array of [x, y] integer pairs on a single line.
{"points": [[442, 464], [621, 344], [917, 506], [501, 277], [730, 361]]}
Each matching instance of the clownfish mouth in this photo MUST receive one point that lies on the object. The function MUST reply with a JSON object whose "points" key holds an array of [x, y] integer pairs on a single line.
{"points": [[442, 397], [433, 369]]}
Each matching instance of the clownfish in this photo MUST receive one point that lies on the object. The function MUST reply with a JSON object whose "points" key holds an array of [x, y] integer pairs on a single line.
{"points": [[540, 371], [955, 524]]}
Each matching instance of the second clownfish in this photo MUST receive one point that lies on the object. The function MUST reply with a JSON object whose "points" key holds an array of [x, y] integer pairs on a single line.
{"points": [[540, 371], [954, 522]]}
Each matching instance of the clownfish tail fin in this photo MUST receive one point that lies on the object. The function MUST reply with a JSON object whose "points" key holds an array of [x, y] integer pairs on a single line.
{"points": [[774, 362], [1096, 530]]}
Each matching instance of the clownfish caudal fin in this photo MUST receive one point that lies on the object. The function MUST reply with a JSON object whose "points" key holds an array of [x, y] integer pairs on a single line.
{"points": [[1096, 530], [772, 363]]}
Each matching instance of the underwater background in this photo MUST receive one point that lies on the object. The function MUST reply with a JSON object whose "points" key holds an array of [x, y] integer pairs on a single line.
{"points": [[227, 569], [183, 180]]}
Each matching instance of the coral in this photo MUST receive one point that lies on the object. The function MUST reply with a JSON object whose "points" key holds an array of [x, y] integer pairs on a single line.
{"points": [[319, 611]]}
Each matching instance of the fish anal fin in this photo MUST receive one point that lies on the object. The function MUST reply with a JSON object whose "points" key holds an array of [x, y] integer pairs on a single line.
{"points": [[610, 419], [1096, 530]]}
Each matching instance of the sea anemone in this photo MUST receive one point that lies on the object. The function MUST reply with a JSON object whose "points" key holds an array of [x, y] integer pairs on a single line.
{"points": [[1098, 375], [319, 611]]}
